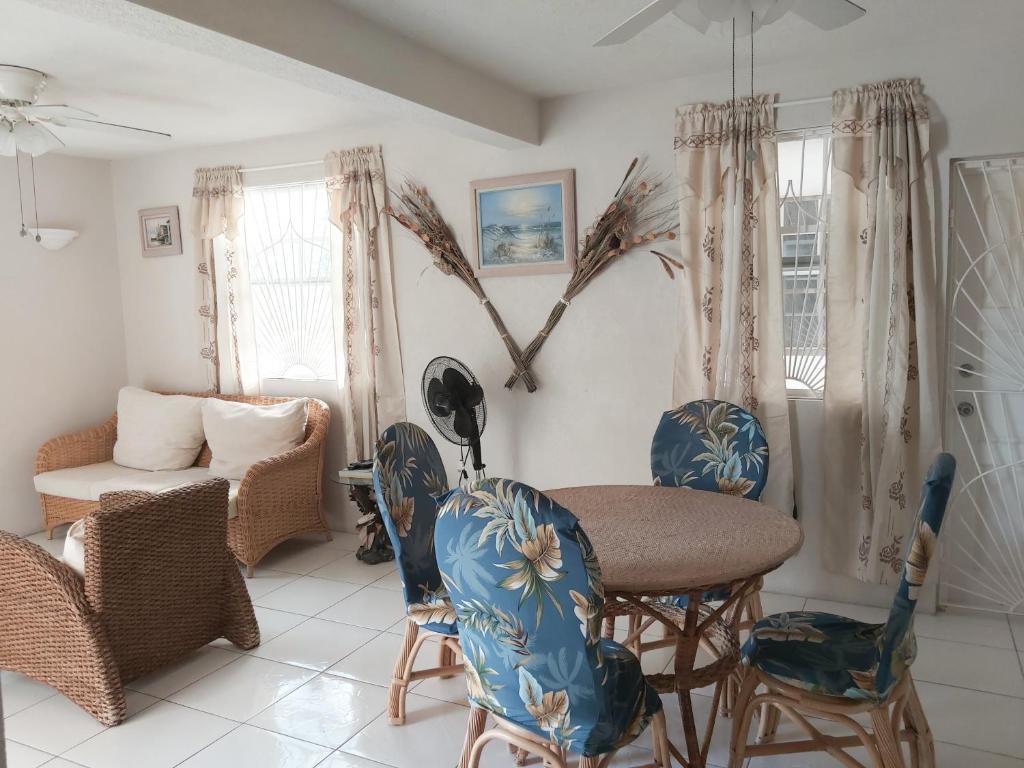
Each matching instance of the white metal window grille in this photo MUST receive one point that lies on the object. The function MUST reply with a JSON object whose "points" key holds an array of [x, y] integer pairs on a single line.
{"points": [[805, 158], [288, 246], [982, 564]]}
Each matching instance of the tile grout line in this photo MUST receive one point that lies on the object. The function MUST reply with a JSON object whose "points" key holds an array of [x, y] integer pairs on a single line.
{"points": [[207, 746], [1016, 648], [972, 690], [50, 757], [978, 749]]}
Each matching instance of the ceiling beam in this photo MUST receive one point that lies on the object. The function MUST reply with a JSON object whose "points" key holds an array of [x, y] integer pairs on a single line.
{"points": [[323, 46]]}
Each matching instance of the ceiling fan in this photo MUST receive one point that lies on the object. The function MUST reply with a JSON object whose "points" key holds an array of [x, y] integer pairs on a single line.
{"points": [[26, 126], [702, 14]]}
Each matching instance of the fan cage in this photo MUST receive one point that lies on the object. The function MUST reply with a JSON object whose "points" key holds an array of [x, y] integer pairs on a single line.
{"points": [[445, 425]]}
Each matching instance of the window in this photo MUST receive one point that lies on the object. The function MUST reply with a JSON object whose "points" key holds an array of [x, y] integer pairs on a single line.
{"points": [[288, 247], [804, 161]]}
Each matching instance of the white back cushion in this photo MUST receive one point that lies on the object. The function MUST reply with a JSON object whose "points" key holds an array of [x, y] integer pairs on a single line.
{"points": [[240, 434], [157, 431]]}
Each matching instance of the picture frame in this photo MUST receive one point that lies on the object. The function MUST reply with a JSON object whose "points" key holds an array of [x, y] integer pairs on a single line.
{"points": [[525, 224], [160, 231]]}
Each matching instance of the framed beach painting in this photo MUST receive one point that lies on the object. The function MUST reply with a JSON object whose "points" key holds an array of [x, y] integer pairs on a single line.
{"points": [[160, 230], [525, 225]]}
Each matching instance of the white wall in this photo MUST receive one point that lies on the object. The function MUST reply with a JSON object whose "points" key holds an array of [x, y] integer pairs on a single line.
{"points": [[63, 343], [605, 374]]}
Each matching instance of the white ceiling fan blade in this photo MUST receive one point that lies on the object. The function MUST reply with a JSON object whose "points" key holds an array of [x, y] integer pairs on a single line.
{"points": [[638, 22], [828, 14], [776, 11], [55, 112], [688, 12], [81, 122]]}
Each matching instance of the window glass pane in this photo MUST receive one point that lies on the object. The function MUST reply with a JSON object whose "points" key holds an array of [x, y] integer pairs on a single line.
{"points": [[804, 161], [288, 245]]}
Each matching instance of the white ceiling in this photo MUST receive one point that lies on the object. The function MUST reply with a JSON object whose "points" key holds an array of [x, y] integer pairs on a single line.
{"points": [[539, 48], [130, 80], [544, 46]]}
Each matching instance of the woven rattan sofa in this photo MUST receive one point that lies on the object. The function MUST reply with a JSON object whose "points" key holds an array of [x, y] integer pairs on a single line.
{"points": [[159, 583], [278, 499]]}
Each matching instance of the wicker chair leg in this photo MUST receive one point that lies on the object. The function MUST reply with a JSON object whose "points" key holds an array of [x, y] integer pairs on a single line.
{"points": [[609, 628], [446, 656], [743, 714], [557, 759], [659, 740], [769, 723], [635, 622], [240, 625], [885, 738], [250, 571], [399, 679], [922, 745], [748, 612], [589, 761], [474, 730]]}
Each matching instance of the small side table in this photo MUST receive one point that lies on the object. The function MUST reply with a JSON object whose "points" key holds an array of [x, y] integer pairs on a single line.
{"points": [[376, 547]]}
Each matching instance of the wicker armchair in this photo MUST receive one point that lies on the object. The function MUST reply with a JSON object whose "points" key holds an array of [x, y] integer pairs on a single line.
{"points": [[279, 498], [159, 583]]}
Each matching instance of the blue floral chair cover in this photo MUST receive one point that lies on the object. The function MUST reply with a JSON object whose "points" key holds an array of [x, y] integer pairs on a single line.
{"points": [[836, 656], [710, 445], [408, 475], [527, 592]]}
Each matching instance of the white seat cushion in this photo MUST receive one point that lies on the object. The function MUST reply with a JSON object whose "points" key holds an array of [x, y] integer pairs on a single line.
{"points": [[157, 432], [88, 482], [240, 434], [233, 486], [74, 548], [91, 482]]}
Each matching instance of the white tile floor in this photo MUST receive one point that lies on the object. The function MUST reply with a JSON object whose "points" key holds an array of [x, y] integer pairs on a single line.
{"points": [[314, 693]]}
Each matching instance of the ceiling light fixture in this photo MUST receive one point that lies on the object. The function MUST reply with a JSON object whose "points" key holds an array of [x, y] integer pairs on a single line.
{"points": [[705, 15], [28, 137]]}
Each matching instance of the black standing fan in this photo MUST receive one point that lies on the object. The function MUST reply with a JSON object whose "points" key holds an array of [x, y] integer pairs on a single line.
{"points": [[455, 402]]}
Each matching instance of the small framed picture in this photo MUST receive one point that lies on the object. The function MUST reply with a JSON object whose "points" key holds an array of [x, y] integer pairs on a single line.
{"points": [[160, 229], [525, 225]]}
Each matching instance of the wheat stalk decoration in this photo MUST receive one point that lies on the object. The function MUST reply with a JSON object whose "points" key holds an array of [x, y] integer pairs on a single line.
{"points": [[640, 213], [416, 212]]}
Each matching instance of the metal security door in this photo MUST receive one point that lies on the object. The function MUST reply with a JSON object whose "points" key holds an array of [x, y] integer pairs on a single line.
{"points": [[983, 544]]}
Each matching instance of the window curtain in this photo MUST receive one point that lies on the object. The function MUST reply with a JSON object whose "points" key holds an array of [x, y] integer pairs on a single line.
{"points": [[882, 405], [731, 343], [217, 209], [366, 327]]}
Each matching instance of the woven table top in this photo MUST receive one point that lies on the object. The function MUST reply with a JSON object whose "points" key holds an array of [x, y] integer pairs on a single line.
{"points": [[656, 540]]}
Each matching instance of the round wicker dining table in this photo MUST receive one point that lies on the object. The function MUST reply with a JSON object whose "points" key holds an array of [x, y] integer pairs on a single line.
{"points": [[654, 541]]}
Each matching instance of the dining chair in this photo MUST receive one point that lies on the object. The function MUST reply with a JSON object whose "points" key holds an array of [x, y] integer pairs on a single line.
{"points": [[709, 445], [527, 591], [408, 475], [816, 664]]}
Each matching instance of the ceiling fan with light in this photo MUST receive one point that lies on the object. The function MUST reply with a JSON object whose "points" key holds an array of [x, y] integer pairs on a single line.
{"points": [[26, 126], [704, 15]]}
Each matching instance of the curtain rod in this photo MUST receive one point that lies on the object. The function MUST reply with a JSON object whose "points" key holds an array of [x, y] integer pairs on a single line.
{"points": [[280, 167], [802, 102]]}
